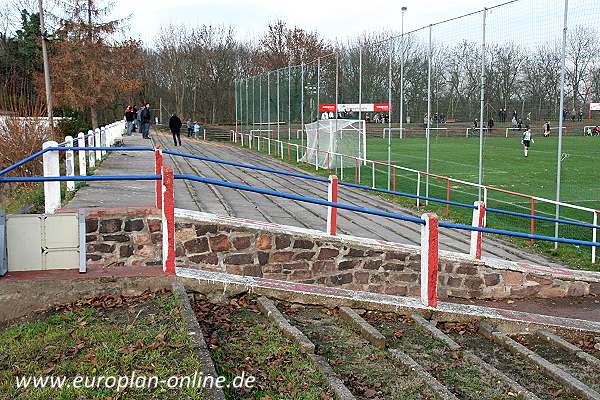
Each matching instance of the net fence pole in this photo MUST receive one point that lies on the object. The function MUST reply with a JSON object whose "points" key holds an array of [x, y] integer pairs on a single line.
{"points": [[278, 108], [241, 97], [260, 120], [360, 83], [269, 108], [337, 91], [302, 104], [253, 105], [235, 95], [247, 108], [561, 119], [389, 158], [318, 101], [289, 98], [402, 75], [482, 105], [427, 133]]}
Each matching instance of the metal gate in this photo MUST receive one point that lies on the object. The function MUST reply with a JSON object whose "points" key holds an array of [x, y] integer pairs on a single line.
{"points": [[45, 241]]}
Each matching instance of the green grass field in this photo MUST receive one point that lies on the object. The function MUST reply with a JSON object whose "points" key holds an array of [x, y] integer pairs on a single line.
{"points": [[505, 167]]}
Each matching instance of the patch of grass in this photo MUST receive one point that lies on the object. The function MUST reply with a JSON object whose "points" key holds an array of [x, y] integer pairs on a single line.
{"points": [[148, 337], [242, 340], [21, 198]]}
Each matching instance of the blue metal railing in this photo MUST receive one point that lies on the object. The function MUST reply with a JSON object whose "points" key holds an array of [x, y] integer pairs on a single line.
{"points": [[304, 199], [290, 196]]}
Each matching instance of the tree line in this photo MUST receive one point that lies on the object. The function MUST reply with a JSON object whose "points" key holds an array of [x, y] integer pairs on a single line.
{"points": [[97, 70]]}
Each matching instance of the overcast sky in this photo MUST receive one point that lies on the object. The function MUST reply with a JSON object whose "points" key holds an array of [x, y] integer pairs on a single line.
{"points": [[333, 18]]}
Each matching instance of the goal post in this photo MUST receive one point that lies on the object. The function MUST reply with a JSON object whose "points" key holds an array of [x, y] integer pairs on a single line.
{"points": [[334, 137]]}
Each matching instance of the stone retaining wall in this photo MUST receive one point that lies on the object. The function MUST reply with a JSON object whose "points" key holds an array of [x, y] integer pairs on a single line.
{"points": [[123, 237], [243, 247]]}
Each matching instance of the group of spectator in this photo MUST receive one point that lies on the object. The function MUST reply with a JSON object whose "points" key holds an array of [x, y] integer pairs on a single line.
{"points": [[141, 119], [138, 119]]}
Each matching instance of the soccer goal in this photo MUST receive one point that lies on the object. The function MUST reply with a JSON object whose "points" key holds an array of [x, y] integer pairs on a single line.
{"points": [[327, 139]]}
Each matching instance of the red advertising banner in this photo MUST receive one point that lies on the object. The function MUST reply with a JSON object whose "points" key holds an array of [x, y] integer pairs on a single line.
{"points": [[381, 107], [327, 107]]}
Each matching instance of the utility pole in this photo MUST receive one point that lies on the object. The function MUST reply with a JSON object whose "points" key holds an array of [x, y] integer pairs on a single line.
{"points": [[46, 69]]}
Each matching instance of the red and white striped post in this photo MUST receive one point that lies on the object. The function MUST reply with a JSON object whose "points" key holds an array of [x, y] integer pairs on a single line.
{"points": [[168, 221], [158, 166], [429, 259], [332, 195], [476, 236]]}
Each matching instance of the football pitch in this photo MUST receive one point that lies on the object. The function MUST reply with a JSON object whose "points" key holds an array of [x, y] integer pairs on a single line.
{"points": [[505, 167]]}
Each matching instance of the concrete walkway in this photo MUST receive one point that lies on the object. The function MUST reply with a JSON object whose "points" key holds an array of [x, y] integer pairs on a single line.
{"points": [[121, 193], [224, 201]]}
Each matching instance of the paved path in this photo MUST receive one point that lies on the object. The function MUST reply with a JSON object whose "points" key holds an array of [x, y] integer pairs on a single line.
{"points": [[220, 200], [224, 201], [121, 193]]}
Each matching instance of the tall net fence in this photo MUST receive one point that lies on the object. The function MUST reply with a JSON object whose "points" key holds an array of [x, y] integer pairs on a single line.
{"points": [[446, 105]]}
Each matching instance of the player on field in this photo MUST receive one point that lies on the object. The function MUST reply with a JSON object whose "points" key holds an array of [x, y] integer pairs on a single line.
{"points": [[526, 140]]}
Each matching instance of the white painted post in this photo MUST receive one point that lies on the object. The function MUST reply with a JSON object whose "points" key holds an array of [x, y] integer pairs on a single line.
{"points": [[51, 168], [429, 260], [332, 195], [81, 143], [98, 142], [477, 237], [91, 153], [103, 140], [70, 162]]}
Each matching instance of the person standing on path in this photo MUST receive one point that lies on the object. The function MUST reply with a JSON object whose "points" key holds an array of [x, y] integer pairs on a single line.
{"points": [[175, 127], [129, 119], [146, 119]]}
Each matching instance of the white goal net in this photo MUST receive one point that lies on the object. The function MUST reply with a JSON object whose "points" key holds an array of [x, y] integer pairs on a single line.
{"points": [[329, 139]]}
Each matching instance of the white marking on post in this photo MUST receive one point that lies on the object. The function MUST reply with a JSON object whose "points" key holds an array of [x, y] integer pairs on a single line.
{"points": [[429, 259], [51, 168], [332, 195]]}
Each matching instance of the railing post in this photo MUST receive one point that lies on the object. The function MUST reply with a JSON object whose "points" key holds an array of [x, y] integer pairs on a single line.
{"points": [[103, 140], [532, 219], [81, 153], [476, 236], [158, 166], [98, 143], [429, 259], [332, 194], [70, 162], [51, 168], [485, 201], [447, 196], [91, 153], [594, 236], [168, 221], [418, 188]]}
